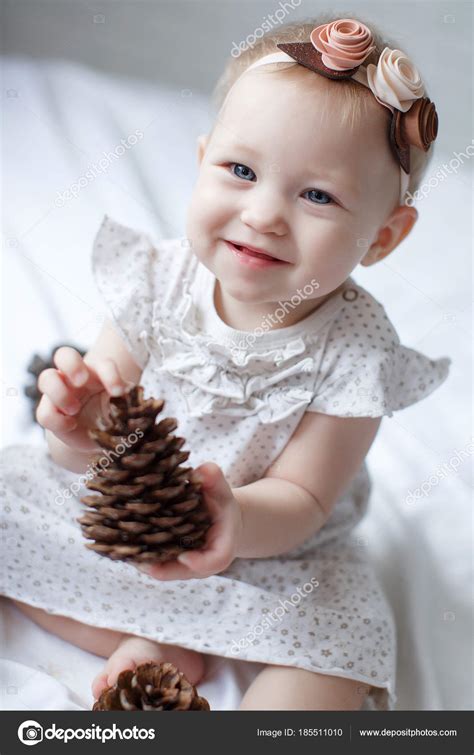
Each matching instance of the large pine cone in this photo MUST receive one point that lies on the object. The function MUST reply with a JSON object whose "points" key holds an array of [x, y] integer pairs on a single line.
{"points": [[151, 686], [148, 509]]}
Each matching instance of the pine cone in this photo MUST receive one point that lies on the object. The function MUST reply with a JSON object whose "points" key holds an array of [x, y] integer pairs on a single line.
{"points": [[36, 365], [151, 686], [148, 509]]}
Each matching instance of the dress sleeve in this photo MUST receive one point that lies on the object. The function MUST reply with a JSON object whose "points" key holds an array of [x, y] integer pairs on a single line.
{"points": [[367, 372], [123, 261]]}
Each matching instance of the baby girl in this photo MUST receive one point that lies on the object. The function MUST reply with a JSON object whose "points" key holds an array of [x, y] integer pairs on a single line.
{"points": [[277, 366]]}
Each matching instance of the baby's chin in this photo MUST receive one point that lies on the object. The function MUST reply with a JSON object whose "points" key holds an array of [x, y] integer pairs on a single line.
{"points": [[305, 291], [245, 286], [254, 293]]}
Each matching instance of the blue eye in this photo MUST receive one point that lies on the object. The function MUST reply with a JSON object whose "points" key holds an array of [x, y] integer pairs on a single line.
{"points": [[318, 194], [246, 173]]}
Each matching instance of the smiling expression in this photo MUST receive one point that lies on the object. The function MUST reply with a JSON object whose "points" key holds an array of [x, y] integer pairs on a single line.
{"points": [[282, 174]]}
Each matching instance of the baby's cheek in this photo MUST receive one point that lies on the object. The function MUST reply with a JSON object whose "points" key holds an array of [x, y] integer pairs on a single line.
{"points": [[207, 212], [196, 223], [331, 261]]}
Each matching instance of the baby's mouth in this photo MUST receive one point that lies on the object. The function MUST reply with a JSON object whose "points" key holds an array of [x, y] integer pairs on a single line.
{"points": [[254, 253]]}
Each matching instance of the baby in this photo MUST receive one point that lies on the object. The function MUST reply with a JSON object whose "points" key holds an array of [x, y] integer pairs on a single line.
{"points": [[276, 364]]}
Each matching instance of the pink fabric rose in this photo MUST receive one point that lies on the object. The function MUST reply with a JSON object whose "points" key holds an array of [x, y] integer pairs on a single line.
{"points": [[344, 43]]}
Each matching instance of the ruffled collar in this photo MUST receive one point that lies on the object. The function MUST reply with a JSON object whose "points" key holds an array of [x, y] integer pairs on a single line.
{"points": [[219, 369], [240, 342]]}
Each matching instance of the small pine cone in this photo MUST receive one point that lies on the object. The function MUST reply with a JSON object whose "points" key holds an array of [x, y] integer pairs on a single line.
{"points": [[151, 686], [36, 365], [148, 509]]}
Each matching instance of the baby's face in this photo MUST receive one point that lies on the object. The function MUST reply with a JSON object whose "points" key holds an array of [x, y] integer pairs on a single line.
{"points": [[278, 175]]}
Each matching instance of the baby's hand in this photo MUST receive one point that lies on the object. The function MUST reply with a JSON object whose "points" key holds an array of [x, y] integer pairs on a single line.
{"points": [[73, 396], [222, 537]]}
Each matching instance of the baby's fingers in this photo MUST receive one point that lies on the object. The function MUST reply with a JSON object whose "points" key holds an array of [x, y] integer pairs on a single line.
{"points": [[91, 377], [49, 417], [109, 375], [166, 572], [51, 384], [205, 563], [72, 365]]}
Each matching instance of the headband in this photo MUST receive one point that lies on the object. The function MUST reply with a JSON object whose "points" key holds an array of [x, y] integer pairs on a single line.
{"points": [[337, 51]]}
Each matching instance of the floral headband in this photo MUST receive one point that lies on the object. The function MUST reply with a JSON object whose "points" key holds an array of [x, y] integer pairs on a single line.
{"points": [[337, 51]]}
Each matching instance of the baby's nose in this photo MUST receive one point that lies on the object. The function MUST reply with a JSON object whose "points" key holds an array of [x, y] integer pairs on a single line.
{"points": [[264, 218]]}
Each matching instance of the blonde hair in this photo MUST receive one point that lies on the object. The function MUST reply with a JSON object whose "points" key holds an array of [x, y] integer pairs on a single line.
{"points": [[353, 95]]}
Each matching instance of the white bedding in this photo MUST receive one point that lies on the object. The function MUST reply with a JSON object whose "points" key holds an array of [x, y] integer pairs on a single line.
{"points": [[58, 120]]}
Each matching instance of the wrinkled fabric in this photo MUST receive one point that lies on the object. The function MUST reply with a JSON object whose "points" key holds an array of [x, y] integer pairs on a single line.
{"points": [[237, 399]]}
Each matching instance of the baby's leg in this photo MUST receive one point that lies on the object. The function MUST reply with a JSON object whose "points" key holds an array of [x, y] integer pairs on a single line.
{"points": [[95, 640], [123, 650], [290, 688]]}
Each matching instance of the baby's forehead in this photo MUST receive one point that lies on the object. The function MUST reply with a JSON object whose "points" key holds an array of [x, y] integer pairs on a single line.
{"points": [[296, 95], [302, 110], [295, 124]]}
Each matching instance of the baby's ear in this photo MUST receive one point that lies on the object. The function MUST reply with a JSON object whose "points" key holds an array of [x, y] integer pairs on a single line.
{"points": [[391, 234], [202, 141]]}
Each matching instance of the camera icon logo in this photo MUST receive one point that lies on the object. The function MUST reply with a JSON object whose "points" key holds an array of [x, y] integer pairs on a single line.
{"points": [[30, 732]]}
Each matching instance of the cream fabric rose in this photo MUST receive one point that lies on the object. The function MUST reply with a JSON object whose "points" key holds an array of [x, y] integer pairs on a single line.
{"points": [[395, 81]]}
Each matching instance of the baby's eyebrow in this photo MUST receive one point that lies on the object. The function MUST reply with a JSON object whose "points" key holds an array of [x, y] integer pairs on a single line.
{"points": [[238, 145], [334, 178], [339, 182]]}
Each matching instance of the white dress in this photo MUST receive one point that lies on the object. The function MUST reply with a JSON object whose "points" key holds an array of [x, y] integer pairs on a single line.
{"points": [[237, 400]]}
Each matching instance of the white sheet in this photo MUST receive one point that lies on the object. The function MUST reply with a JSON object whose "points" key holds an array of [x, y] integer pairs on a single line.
{"points": [[43, 672], [58, 120]]}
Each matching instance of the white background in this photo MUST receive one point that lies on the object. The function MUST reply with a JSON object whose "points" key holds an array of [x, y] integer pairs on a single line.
{"points": [[72, 88]]}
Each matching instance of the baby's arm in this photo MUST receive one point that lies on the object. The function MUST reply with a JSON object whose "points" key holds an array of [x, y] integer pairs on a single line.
{"points": [[285, 507], [295, 497], [109, 363]]}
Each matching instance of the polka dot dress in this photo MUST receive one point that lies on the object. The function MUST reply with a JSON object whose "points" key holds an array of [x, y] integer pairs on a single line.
{"points": [[238, 397]]}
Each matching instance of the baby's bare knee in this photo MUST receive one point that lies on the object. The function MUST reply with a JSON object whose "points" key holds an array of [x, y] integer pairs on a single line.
{"points": [[290, 688], [38, 615], [96, 640]]}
